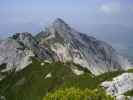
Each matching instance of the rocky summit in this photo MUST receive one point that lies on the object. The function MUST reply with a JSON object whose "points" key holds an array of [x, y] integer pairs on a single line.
{"points": [[73, 46], [60, 42], [60, 59]]}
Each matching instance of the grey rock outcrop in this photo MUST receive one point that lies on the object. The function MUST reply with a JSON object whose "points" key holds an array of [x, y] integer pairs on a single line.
{"points": [[119, 85], [130, 97], [16, 52], [72, 46], [123, 97], [31, 43], [14, 55]]}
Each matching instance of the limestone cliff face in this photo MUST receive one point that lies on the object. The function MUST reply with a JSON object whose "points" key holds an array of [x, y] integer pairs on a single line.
{"points": [[29, 42], [14, 55], [72, 46], [16, 52], [119, 85]]}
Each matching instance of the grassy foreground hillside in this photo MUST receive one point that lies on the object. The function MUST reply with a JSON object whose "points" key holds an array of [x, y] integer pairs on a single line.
{"points": [[77, 94], [32, 83]]}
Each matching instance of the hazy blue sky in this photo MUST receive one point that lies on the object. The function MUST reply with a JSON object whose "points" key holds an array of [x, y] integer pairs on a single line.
{"points": [[33, 15]]}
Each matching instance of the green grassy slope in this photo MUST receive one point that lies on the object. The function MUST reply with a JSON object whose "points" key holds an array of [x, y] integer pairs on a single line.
{"points": [[30, 83], [129, 93], [78, 94]]}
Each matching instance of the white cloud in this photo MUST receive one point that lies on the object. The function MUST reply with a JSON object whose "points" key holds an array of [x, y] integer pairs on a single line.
{"points": [[111, 8]]}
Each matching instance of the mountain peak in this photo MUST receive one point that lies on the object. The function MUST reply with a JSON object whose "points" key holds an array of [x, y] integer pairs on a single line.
{"points": [[58, 23], [59, 28]]}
